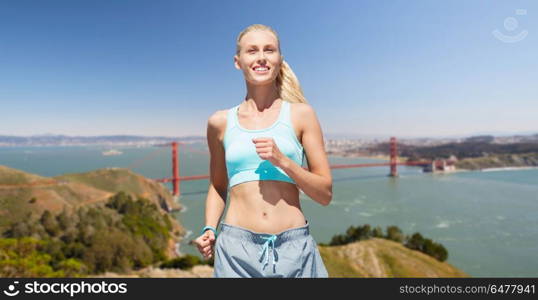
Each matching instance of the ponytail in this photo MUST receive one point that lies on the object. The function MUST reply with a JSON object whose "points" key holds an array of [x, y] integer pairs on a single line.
{"points": [[288, 85]]}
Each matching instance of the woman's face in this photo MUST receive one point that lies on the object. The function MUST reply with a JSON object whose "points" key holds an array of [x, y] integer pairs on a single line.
{"points": [[259, 57]]}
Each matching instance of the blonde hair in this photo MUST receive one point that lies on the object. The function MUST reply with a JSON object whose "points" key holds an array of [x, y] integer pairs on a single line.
{"points": [[288, 85]]}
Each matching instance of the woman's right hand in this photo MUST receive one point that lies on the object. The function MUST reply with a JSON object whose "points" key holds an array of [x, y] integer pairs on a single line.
{"points": [[205, 244]]}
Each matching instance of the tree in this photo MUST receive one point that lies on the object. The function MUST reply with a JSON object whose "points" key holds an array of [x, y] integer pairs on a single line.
{"points": [[21, 258], [377, 232], [395, 234], [416, 242], [49, 223]]}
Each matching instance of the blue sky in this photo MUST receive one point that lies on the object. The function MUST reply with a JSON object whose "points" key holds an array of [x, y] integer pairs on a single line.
{"points": [[403, 68]]}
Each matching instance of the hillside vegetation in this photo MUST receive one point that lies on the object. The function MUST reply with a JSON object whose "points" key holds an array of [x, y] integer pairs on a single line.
{"points": [[23, 193], [499, 161], [379, 257], [85, 223], [123, 235]]}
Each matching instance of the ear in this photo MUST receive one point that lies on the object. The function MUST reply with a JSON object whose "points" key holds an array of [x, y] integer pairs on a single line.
{"points": [[236, 62]]}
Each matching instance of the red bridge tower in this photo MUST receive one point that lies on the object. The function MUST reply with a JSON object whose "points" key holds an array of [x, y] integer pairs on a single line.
{"points": [[175, 168], [393, 157]]}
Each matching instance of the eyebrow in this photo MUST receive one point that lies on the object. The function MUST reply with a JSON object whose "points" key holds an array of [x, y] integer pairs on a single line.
{"points": [[268, 45]]}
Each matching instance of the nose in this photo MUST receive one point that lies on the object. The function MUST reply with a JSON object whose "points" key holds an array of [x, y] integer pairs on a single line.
{"points": [[261, 56]]}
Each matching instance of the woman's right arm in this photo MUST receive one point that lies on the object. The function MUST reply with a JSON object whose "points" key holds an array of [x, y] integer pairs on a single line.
{"points": [[218, 177], [218, 182]]}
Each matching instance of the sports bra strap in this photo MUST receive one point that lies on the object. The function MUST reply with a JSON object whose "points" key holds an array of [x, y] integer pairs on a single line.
{"points": [[285, 115]]}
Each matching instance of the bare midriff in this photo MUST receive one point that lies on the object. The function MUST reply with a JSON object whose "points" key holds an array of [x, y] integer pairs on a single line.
{"points": [[265, 206]]}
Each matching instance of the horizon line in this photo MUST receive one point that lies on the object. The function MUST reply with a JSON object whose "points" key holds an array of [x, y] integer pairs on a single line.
{"points": [[334, 135]]}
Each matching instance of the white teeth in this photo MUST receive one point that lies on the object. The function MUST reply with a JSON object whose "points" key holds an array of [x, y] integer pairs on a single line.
{"points": [[260, 69]]}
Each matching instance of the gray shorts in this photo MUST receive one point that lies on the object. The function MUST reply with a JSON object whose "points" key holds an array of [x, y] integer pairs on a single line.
{"points": [[240, 252]]}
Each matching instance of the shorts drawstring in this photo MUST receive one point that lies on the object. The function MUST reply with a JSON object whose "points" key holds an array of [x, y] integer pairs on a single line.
{"points": [[265, 250]]}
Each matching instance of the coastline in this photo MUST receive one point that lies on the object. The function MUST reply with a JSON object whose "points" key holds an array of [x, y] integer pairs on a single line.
{"points": [[402, 158], [507, 169]]}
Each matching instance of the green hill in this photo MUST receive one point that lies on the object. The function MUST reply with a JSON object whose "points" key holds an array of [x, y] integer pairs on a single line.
{"points": [[13, 176], [23, 194], [379, 257], [499, 161], [114, 180]]}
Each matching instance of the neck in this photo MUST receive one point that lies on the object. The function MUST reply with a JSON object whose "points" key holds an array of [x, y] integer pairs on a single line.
{"points": [[261, 97]]}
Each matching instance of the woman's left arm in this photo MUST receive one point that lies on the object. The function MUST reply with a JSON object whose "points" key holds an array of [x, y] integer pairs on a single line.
{"points": [[317, 182]]}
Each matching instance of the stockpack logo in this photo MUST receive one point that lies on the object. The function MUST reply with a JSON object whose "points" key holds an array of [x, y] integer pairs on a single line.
{"points": [[11, 290], [66, 288]]}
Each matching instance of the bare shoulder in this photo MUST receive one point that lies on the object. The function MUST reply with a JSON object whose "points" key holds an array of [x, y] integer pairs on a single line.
{"points": [[302, 109], [217, 119], [304, 112], [216, 123]]}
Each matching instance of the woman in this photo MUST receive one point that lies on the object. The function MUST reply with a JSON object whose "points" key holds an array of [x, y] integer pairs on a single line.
{"points": [[257, 150]]}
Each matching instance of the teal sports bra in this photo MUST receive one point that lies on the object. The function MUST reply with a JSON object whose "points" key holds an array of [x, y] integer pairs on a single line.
{"points": [[243, 162]]}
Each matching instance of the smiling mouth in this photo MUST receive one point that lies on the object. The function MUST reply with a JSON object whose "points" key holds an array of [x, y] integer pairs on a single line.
{"points": [[261, 70]]}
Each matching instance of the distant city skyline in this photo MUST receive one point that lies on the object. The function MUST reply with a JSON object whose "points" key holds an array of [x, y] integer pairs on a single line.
{"points": [[328, 135], [368, 68]]}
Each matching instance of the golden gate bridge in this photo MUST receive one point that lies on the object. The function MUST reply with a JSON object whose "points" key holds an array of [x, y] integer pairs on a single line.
{"points": [[393, 163]]}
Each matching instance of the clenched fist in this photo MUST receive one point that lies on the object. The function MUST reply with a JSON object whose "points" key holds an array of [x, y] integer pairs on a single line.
{"points": [[205, 244], [267, 149]]}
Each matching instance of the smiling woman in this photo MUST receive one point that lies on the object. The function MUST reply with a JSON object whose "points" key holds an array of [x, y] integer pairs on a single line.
{"points": [[257, 150]]}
